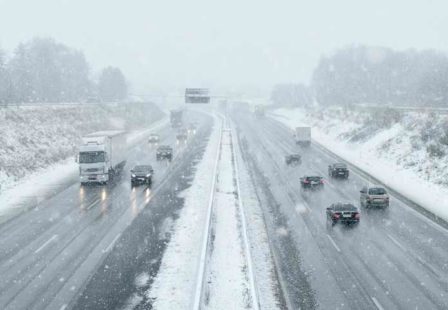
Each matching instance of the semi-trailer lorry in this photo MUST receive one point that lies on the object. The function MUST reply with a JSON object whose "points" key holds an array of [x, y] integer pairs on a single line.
{"points": [[102, 155], [303, 136]]}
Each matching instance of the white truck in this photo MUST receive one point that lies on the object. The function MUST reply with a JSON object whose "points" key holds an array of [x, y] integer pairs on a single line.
{"points": [[102, 155], [303, 136]]}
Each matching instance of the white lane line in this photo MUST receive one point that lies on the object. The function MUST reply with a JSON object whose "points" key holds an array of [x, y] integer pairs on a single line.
{"points": [[334, 243], [45, 244], [377, 303], [396, 242], [109, 247], [93, 204]]}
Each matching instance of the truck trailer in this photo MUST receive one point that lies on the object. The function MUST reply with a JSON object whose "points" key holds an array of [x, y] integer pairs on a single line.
{"points": [[302, 136], [102, 155]]}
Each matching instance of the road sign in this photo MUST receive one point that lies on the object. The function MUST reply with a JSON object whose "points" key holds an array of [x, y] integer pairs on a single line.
{"points": [[197, 95]]}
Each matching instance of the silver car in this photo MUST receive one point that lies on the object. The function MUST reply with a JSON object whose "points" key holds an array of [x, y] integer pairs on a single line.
{"points": [[374, 196]]}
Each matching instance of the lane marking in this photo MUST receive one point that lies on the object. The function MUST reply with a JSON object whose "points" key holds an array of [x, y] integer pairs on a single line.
{"points": [[334, 243], [377, 303], [45, 244], [63, 307], [396, 242], [93, 204], [109, 247]]}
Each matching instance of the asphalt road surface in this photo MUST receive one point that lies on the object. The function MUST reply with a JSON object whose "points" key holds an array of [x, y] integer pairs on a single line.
{"points": [[395, 259], [50, 254]]}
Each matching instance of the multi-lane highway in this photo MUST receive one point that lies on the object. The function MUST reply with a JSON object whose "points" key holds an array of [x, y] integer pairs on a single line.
{"points": [[48, 255], [85, 247], [395, 259]]}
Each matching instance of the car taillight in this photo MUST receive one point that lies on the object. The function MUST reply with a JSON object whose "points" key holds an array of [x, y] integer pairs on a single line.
{"points": [[336, 216], [321, 181], [306, 181], [357, 215]]}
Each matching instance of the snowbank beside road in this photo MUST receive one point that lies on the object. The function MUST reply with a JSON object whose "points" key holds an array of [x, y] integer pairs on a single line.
{"points": [[395, 153]]}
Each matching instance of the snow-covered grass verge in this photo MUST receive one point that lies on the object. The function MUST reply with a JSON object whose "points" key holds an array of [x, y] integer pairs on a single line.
{"points": [[405, 151], [34, 138], [175, 285]]}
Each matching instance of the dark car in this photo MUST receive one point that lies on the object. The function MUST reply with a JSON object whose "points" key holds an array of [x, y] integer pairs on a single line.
{"points": [[338, 170], [312, 182], [293, 159], [154, 138], [141, 174], [164, 152], [374, 197], [344, 213]]}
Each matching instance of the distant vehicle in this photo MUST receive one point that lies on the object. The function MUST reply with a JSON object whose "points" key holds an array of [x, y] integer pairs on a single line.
{"points": [[182, 135], [176, 118], [293, 159], [344, 213], [338, 170], [154, 138], [259, 111], [164, 152], [101, 156], [374, 196], [192, 128], [312, 182], [142, 175], [302, 136]]}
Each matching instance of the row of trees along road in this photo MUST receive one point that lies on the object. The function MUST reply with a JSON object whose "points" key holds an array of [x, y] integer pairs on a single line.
{"points": [[43, 70]]}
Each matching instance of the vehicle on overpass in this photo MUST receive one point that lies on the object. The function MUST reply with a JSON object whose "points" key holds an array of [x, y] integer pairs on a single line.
{"points": [[312, 183], [343, 213], [164, 152], [102, 155], [142, 174], [293, 159], [302, 136], [338, 170], [154, 138], [374, 197], [176, 118]]}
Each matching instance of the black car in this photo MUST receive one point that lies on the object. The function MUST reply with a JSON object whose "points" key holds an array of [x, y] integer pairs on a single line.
{"points": [[344, 213], [293, 159], [312, 182], [164, 152], [141, 174], [338, 170]]}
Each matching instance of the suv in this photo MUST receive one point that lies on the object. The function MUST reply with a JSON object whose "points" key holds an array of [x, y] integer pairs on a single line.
{"points": [[338, 170], [344, 213], [293, 159], [141, 175], [312, 182], [374, 196], [153, 138], [164, 152]]}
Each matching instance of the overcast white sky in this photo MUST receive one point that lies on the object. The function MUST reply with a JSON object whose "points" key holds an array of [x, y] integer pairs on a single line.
{"points": [[165, 44]]}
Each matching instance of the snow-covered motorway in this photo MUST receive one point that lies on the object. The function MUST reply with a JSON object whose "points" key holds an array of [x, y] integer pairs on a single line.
{"points": [[396, 259], [47, 255]]}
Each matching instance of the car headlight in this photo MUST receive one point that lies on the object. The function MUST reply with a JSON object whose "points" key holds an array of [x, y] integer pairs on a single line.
{"points": [[133, 175], [148, 175]]}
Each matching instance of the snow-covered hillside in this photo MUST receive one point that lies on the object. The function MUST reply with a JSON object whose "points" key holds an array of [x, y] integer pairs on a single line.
{"points": [[408, 149], [33, 138]]}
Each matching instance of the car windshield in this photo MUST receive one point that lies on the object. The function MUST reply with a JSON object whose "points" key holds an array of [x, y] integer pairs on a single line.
{"points": [[186, 154], [377, 191], [91, 157]]}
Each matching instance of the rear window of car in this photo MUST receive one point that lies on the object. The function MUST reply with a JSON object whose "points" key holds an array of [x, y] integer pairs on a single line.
{"points": [[142, 168], [313, 179], [340, 166], [344, 207], [377, 191]]}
